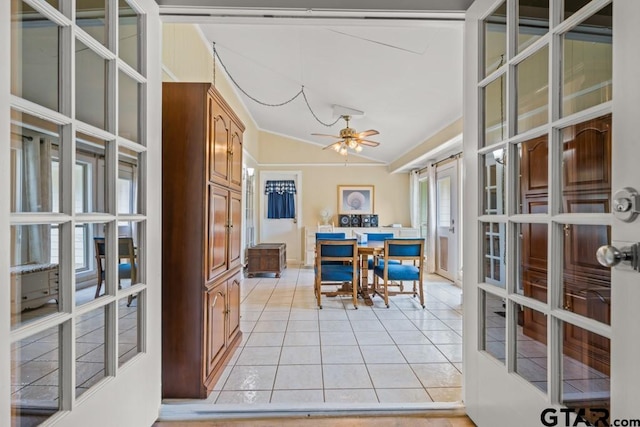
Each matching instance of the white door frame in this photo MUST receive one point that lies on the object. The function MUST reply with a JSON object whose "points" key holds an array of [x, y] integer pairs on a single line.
{"points": [[449, 169], [494, 394], [294, 254]]}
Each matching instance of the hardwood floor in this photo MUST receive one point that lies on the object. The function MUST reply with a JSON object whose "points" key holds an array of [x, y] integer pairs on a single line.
{"points": [[351, 421]]}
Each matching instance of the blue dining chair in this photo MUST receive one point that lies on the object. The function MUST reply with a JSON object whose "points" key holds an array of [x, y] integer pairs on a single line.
{"points": [[379, 237], [336, 265], [126, 270], [330, 236], [410, 254], [324, 236]]}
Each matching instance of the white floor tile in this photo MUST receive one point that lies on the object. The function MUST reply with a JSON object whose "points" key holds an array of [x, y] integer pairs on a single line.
{"points": [[390, 375], [382, 354], [254, 356], [270, 326], [301, 338], [424, 353], [303, 326], [305, 355], [293, 377], [374, 338], [341, 354], [337, 338], [346, 376], [250, 378], [265, 339]]}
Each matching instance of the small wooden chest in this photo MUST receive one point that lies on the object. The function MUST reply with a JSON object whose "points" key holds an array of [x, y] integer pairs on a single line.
{"points": [[267, 258]]}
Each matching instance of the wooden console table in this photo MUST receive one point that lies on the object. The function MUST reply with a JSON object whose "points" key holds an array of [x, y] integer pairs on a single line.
{"points": [[267, 258]]}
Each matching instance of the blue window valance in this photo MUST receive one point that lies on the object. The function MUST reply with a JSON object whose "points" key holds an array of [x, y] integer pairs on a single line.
{"points": [[280, 187]]}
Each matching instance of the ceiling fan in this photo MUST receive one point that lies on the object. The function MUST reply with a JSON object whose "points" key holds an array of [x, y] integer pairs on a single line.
{"points": [[349, 138]]}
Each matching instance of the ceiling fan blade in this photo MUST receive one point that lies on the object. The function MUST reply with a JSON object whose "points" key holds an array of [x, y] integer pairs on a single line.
{"points": [[324, 134], [331, 145], [368, 143], [367, 133]]}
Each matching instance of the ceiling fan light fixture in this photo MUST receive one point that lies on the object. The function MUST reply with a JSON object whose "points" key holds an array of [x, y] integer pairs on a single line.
{"points": [[350, 139]]}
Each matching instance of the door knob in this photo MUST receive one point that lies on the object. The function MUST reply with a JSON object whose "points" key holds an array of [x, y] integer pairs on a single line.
{"points": [[610, 256], [626, 204]]}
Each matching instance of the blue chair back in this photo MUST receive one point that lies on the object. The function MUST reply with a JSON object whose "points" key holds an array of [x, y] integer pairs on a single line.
{"points": [[330, 236], [330, 248], [379, 237], [411, 248]]}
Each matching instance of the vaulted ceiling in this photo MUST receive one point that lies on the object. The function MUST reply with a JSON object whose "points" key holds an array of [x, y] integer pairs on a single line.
{"points": [[401, 67]]}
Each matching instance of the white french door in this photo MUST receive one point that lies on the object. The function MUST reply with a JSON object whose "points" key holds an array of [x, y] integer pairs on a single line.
{"points": [[551, 92], [79, 80], [447, 220]]}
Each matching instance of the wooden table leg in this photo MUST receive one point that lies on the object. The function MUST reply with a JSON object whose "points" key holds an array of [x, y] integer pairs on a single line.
{"points": [[364, 279]]}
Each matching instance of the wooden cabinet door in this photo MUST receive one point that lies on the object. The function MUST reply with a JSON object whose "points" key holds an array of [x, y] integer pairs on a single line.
{"points": [[235, 157], [233, 306], [214, 333], [219, 131], [235, 228], [218, 226]]}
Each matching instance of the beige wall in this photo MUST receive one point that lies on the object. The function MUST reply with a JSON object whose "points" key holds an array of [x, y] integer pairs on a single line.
{"points": [[320, 191]]}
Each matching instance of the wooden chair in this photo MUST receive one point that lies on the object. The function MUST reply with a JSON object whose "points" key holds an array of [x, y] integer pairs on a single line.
{"points": [[126, 270], [336, 265], [405, 251], [379, 237]]}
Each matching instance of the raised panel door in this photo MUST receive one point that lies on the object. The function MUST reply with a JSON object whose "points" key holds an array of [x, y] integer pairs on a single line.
{"points": [[235, 228], [235, 157], [233, 298], [220, 127], [214, 333], [218, 226]]}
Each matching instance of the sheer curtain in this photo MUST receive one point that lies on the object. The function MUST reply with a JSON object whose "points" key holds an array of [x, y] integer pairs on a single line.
{"points": [[431, 221], [414, 198], [36, 197]]}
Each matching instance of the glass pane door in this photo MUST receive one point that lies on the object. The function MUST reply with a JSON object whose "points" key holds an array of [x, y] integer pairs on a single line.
{"points": [[547, 156]]}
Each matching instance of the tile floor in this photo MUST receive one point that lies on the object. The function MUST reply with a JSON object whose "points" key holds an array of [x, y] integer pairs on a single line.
{"points": [[292, 352]]}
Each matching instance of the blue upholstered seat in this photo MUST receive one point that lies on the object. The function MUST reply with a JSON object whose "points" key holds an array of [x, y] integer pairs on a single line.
{"points": [[410, 254], [336, 264], [379, 237]]}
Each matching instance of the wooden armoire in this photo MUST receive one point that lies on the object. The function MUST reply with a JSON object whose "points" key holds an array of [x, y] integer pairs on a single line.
{"points": [[586, 167], [201, 226]]}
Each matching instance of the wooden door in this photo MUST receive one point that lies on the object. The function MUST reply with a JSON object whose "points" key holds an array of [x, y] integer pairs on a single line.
{"points": [[233, 303], [215, 332], [218, 226], [235, 157], [219, 132], [235, 228]]}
